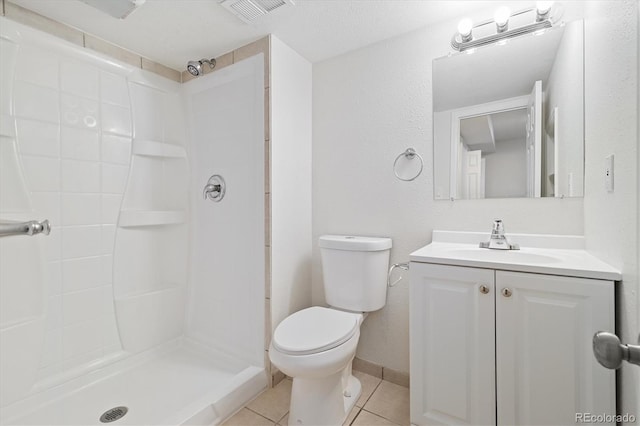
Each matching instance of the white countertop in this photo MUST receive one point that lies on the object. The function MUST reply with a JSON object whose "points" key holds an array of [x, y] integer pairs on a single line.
{"points": [[542, 254]]}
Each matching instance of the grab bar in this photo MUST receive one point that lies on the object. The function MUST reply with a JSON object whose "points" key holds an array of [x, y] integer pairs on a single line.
{"points": [[32, 227]]}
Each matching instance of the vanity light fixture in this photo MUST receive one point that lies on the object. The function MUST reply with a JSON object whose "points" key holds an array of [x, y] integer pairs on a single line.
{"points": [[543, 16]]}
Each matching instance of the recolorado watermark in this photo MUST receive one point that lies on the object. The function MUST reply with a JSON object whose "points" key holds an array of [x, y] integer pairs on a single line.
{"points": [[605, 418]]}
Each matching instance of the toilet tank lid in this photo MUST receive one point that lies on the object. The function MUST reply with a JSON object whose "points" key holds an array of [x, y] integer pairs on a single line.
{"points": [[353, 243]]}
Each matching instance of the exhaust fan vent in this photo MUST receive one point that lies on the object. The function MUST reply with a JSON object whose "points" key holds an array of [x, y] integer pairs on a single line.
{"points": [[270, 5], [249, 10], [117, 8]]}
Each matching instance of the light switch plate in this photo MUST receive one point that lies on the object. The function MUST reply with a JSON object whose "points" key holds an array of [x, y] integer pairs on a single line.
{"points": [[608, 178]]}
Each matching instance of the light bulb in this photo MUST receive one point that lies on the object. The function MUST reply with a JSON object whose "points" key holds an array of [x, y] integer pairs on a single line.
{"points": [[543, 6], [464, 28], [543, 10], [501, 18]]}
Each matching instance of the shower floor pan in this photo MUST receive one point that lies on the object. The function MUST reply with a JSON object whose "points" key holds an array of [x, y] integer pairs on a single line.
{"points": [[175, 385]]}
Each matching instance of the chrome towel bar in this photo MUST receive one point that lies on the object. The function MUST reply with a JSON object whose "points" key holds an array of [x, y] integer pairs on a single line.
{"points": [[32, 227]]}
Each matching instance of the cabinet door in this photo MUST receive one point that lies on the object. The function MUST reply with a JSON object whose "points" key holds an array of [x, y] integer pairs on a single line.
{"points": [[452, 345], [546, 372]]}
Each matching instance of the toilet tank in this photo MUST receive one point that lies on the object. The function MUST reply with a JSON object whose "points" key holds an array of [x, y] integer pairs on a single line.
{"points": [[355, 271]]}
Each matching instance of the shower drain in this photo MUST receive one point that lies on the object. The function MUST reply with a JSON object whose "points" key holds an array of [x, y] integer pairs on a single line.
{"points": [[113, 414]]}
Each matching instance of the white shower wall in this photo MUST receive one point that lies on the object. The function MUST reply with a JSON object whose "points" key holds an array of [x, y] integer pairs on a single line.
{"points": [[70, 113], [73, 129], [102, 314], [225, 111], [151, 246]]}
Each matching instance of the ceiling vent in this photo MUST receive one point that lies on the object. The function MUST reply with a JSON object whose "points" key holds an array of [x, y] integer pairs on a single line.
{"points": [[250, 10], [117, 8]]}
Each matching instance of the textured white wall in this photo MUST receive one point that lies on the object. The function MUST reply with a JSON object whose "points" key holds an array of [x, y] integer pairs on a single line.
{"points": [[611, 127], [290, 181], [368, 106]]}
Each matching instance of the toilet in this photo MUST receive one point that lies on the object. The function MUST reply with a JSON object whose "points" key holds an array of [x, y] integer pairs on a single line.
{"points": [[315, 346]]}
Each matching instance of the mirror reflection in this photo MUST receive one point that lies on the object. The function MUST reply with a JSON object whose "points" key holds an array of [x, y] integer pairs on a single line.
{"points": [[508, 118]]}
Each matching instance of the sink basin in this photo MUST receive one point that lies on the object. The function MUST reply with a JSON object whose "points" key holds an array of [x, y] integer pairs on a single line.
{"points": [[541, 254], [510, 256]]}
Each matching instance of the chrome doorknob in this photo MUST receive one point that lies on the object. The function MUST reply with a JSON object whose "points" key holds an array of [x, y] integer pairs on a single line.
{"points": [[610, 352]]}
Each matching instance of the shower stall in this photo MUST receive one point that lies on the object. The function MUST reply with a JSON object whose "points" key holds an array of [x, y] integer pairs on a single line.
{"points": [[146, 302]]}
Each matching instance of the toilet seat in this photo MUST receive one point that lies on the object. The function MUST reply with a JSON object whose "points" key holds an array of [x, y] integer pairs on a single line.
{"points": [[314, 330]]}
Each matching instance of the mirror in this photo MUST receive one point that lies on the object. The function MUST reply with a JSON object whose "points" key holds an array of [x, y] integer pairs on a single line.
{"points": [[508, 118]]}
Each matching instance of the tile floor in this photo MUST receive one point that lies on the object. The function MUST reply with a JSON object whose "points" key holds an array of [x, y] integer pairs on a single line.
{"points": [[381, 403]]}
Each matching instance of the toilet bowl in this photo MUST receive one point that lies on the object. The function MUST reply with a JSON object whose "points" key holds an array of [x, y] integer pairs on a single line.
{"points": [[316, 346]]}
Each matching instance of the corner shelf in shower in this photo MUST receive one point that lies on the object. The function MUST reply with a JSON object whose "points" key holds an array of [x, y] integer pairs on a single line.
{"points": [[137, 218], [158, 149]]}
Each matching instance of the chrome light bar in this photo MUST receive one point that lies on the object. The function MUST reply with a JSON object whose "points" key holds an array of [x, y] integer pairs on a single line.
{"points": [[462, 42]]}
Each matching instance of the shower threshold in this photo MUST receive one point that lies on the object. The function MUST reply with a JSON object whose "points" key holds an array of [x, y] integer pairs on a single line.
{"points": [[180, 383]]}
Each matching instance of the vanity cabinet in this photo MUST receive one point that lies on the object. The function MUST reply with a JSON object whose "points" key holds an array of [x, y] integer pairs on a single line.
{"points": [[494, 347]]}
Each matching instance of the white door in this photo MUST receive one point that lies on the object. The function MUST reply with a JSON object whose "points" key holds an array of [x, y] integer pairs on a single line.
{"points": [[483, 177], [546, 371], [452, 345], [534, 141], [473, 179], [556, 153]]}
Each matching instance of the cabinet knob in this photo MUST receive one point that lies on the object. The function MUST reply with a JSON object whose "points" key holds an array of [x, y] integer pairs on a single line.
{"points": [[506, 292], [484, 289]]}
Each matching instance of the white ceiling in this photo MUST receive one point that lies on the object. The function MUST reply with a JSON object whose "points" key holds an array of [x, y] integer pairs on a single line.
{"points": [[173, 32]]}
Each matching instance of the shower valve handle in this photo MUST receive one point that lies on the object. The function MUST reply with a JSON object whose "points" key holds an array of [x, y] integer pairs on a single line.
{"points": [[215, 188], [211, 189]]}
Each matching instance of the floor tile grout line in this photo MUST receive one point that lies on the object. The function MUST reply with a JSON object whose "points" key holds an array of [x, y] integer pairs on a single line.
{"points": [[374, 391], [373, 412], [265, 417], [281, 418], [356, 416], [381, 416]]}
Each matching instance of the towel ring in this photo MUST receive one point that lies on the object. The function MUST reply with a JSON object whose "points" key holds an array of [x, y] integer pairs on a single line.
{"points": [[410, 154], [403, 266]]}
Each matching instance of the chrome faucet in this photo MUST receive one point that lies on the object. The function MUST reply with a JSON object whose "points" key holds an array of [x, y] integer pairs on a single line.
{"points": [[498, 240]]}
